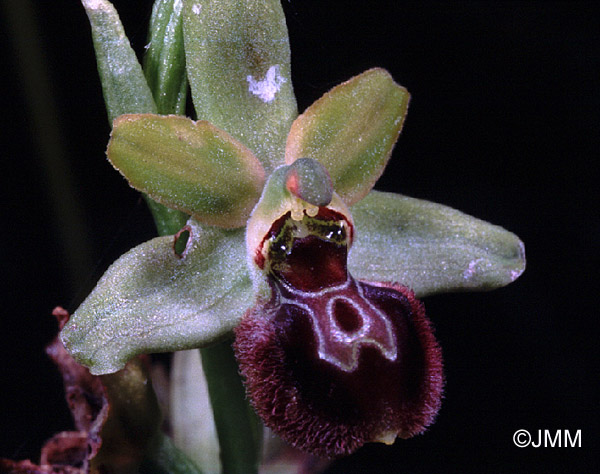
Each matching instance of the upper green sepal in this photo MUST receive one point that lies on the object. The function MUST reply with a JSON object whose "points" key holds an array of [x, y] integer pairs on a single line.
{"points": [[190, 166], [429, 247], [238, 66], [351, 130], [154, 300]]}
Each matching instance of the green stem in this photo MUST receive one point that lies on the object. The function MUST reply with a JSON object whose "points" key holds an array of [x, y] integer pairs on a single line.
{"points": [[238, 428], [167, 221]]}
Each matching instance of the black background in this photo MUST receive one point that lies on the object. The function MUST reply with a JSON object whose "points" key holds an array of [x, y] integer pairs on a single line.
{"points": [[503, 125]]}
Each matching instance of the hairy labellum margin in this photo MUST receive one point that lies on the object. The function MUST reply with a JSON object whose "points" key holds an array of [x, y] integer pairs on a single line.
{"points": [[331, 363]]}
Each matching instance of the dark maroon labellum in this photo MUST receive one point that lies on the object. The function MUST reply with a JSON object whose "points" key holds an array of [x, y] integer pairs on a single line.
{"points": [[331, 363]]}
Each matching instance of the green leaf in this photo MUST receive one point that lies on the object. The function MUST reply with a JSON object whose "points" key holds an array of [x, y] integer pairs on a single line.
{"points": [[164, 68], [123, 83], [125, 88], [152, 300], [238, 62], [429, 247], [164, 61], [190, 166], [351, 130]]}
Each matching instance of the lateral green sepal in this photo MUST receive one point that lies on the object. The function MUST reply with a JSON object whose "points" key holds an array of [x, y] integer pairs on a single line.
{"points": [[154, 300], [429, 247]]}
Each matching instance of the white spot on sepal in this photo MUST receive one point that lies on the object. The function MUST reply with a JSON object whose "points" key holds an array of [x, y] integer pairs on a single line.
{"points": [[269, 86]]}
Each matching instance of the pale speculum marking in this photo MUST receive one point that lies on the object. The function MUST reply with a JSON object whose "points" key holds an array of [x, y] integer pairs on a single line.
{"points": [[344, 321], [307, 266]]}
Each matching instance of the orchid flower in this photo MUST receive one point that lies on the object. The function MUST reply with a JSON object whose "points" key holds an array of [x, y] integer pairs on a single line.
{"points": [[287, 245]]}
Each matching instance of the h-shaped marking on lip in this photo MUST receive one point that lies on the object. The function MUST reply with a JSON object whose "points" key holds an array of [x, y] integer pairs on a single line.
{"points": [[335, 345]]}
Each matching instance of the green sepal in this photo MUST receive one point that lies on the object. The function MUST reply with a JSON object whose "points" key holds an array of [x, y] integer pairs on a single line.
{"points": [[238, 63], [164, 61], [123, 82], [429, 247], [153, 300], [190, 166], [351, 130]]}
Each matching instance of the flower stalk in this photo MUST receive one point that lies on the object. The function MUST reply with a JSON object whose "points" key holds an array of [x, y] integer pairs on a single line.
{"points": [[238, 428]]}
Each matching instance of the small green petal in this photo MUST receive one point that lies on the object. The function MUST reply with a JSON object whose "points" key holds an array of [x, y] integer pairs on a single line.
{"points": [[164, 61], [190, 166], [351, 130], [429, 247], [238, 63], [123, 82], [152, 300]]}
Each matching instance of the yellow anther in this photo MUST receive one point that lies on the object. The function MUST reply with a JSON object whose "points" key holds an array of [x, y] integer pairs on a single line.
{"points": [[299, 207], [311, 211]]}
